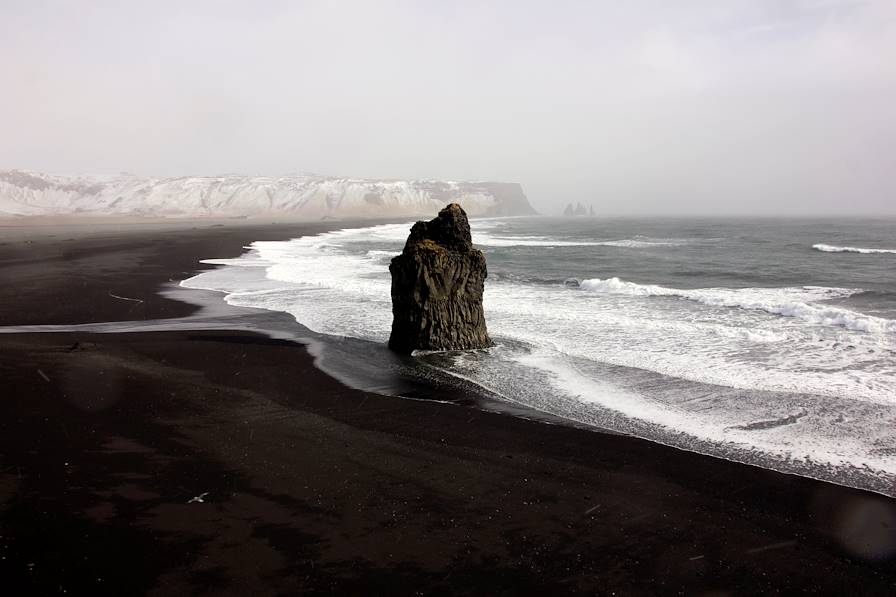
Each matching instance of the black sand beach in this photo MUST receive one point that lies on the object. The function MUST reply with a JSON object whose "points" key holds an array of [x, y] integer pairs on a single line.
{"points": [[192, 462]]}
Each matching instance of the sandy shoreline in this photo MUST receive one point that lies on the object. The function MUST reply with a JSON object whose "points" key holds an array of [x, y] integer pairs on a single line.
{"points": [[311, 486]]}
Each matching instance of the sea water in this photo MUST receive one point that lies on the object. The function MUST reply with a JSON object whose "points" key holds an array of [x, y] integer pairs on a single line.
{"points": [[769, 342]]}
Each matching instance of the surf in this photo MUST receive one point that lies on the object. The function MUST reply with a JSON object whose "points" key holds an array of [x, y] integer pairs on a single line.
{"points": [[835, 249], [702, 368], [800, 303]]}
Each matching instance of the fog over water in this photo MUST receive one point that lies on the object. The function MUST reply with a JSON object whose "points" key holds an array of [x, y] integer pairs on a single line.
{"points": [[643, 107]]}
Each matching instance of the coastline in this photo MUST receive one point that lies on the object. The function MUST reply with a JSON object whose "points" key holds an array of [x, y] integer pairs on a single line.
{"points": [[332, 489]]}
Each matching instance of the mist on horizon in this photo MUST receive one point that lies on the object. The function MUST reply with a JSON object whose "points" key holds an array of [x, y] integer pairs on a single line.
{"points": [[711, 108]]}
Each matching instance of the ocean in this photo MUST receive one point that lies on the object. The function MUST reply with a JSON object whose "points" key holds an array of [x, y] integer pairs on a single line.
{"points": [[765, 341]]}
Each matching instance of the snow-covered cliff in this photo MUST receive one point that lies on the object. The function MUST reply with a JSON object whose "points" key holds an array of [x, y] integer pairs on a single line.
{"points": [[25, 193]]}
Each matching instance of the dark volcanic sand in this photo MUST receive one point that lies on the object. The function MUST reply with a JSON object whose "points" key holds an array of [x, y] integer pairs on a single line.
{"points": [[309, 486]]}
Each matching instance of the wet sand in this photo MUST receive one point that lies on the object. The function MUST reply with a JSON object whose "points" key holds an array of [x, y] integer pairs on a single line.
{"points": [[189, 462]]}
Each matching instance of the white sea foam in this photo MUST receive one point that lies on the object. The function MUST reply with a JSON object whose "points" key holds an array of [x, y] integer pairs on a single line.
{"points": [[734, 359], [488, 240], [835, 249], [488, 234], [627, 327], [793, 431], [644, 243], [787, 302], [381, 256]]}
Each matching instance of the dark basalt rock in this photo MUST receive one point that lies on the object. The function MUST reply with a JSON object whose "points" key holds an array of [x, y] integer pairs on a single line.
{"points": [[437, 285]]}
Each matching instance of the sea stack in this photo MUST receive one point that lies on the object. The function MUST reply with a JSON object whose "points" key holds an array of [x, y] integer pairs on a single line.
{"points": [[437, 284]]}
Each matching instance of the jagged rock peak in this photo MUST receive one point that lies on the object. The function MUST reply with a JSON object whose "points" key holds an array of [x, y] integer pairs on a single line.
{"points": [[437, 285], [450, 229]]}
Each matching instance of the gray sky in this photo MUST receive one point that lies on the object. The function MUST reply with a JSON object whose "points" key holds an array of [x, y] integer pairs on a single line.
{"points": [[713, 107]]}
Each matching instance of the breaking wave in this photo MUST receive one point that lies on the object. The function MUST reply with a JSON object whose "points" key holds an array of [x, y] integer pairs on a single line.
{"points": [[798, 302], [787, 376], [488, 240], [835, 249]]}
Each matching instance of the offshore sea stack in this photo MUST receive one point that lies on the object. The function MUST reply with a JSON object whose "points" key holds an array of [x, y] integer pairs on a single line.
{"points": [[437, 284]]}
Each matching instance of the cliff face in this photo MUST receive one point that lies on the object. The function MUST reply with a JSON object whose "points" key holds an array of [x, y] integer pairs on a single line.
{"points": [[510, 200], [311, 197], [437, 285]]}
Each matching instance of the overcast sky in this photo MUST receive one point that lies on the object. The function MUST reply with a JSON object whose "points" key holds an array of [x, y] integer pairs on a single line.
{"points": [[712, 107]]}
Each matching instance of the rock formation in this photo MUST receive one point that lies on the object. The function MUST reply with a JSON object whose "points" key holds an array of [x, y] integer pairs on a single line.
{"points": [[578, 210], [437, 285]]}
